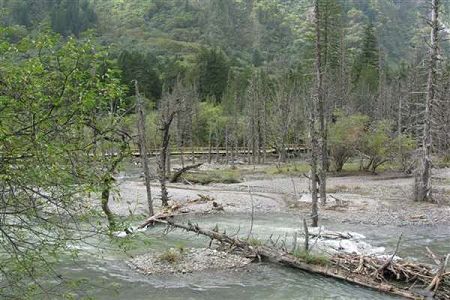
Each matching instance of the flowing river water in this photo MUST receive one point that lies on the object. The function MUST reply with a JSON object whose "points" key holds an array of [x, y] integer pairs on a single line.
{"points": [[103, 268], [109, 277]]}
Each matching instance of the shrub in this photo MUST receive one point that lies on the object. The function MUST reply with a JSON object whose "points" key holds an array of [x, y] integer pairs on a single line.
{"points": [[379, 147], [309, 258], [376, 145], [344, 138], [404, 146], [170, 256]]}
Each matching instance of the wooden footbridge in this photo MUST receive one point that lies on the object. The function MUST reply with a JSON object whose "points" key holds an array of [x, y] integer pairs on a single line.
{"points": [[222, 151]]}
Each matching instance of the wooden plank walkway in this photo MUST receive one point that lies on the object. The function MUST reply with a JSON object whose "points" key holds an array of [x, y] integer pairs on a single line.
{"points": [[222, 151]]}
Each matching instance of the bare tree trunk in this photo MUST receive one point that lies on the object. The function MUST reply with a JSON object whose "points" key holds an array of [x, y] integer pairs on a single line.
{"points": [[182, 156], [163, 160], [217, 147], [168, 165], [423, 180], [143, 147], [314, 175], [321, 108], [192, 149], [210, 147], [227, 151]]}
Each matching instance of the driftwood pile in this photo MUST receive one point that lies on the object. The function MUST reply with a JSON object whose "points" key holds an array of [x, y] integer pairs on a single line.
{"points": [[417, 277], [391, 275]]}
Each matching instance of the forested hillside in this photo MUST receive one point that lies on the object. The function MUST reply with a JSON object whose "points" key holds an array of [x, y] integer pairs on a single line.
{"points": [[217, 45], [249, 30]]}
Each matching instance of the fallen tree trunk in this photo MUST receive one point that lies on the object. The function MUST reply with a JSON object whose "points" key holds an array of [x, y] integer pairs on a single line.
{"points": [[180, 172], [348, 267]]}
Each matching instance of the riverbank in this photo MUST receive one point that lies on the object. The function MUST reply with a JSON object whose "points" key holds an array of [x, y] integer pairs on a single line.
{"points": [[384, 199]]}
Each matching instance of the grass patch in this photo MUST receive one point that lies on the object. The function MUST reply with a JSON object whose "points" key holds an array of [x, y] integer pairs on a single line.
{"points": [[171, 256], [442, 162], [288, 169], [309, 258], [340, 188], [214, 176], [255, 242], [355, 167]]}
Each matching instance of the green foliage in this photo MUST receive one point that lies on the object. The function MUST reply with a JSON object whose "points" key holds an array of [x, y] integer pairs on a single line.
{"points": [[310, 258], [345, 137], [366, 70], [403, 147], [209, 122], [56, 118], [144, 69], [295, 169], [377, 145], [254, 242], [213, 68], [72, 16], [353, 134]]}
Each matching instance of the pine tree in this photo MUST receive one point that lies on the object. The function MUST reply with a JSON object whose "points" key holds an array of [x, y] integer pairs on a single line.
{"points": [[213, 68]]}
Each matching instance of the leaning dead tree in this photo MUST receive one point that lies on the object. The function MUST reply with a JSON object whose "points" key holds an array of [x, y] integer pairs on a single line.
{"points": [[183, 170], [143, 146], [392, 275], [423, 188]]}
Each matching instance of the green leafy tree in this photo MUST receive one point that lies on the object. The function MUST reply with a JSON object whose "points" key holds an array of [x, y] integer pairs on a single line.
{"points": [[56, 122], [377, 145], [345, 137]]}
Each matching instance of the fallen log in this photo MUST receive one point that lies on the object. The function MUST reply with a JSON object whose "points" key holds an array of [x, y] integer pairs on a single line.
{"points": [[180, 172], [354, 269]]}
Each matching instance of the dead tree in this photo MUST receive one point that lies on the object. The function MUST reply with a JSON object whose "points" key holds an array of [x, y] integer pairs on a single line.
{"points": [[321, 107], [256, 112], [423, 188], [167, 116], [282, 114], [314, 174], [143, 147], [171, 104], [313, 120]]}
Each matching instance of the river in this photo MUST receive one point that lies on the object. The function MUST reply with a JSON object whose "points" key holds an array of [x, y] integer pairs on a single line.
{"points": [[107, 276]]}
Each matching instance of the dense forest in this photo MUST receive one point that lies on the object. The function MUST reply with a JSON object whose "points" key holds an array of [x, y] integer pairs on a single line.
{"points": [[86, 86], [374, 55]]}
